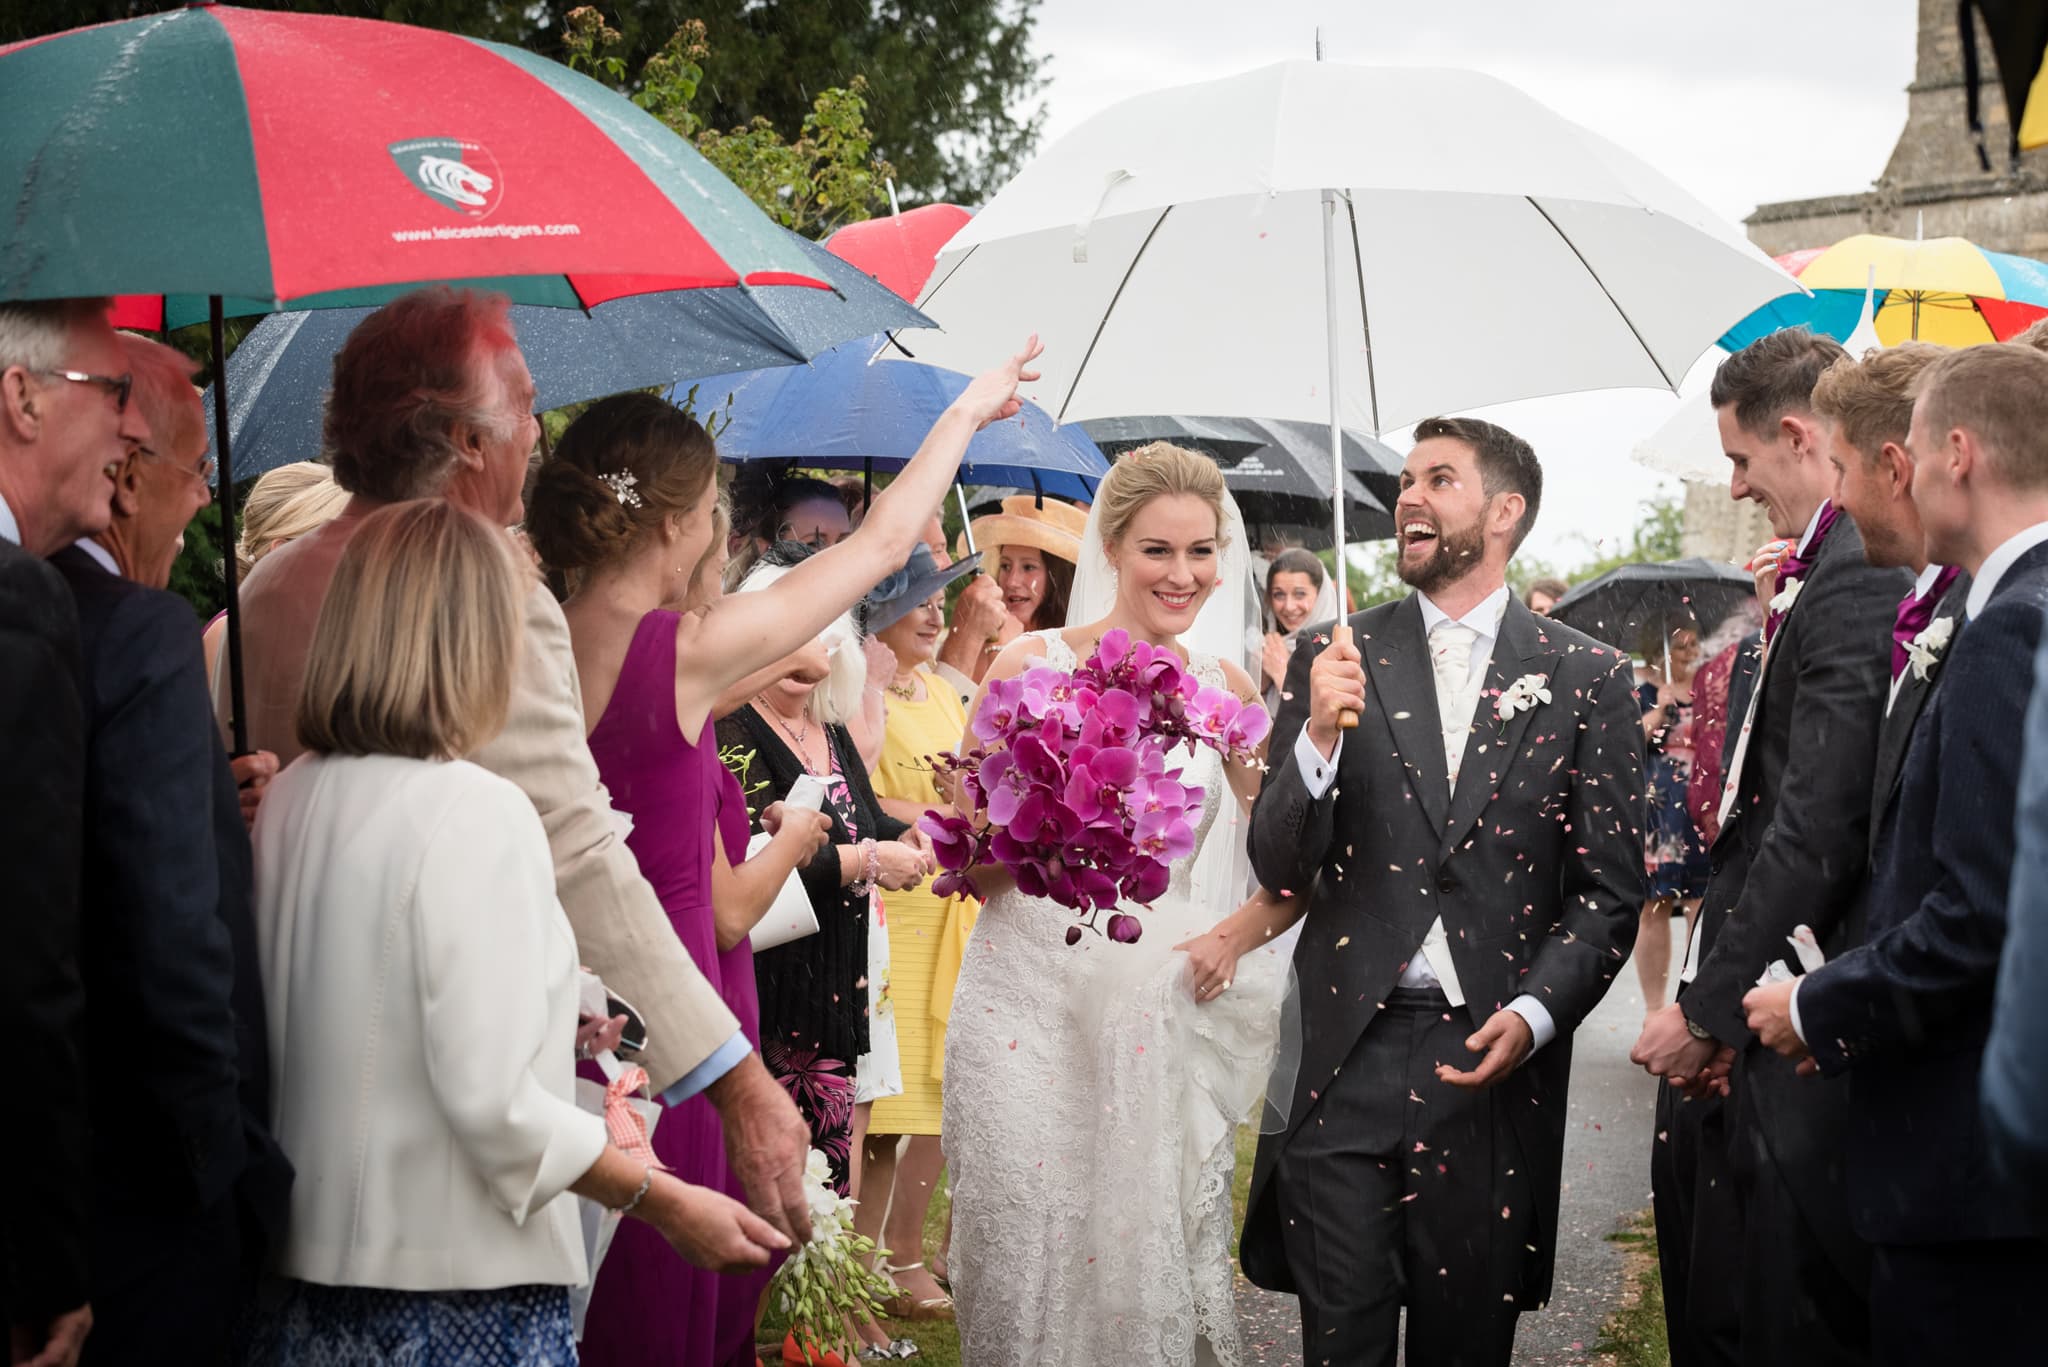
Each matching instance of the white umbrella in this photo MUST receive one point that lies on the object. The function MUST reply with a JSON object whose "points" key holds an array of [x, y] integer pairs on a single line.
{"points": [[1688, 443], [1357, 247]]}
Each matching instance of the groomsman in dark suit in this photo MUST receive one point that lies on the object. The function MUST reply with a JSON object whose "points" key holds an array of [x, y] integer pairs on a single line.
{"points": [[1472, 857], [1905, 1016], [188, 1188], [1866, 408], [65, 422], [1760, 1264]]}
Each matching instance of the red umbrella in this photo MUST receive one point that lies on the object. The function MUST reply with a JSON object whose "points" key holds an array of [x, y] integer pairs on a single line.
{"points": [[305, 160], [900, 250], [216, 161]]}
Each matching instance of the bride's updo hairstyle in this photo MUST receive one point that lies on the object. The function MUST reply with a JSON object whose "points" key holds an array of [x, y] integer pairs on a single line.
{"points": [[628, 462], [1150, 472]]}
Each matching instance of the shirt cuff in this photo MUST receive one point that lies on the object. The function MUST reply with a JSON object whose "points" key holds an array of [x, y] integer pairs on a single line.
{"points": [[1317, 773], [1541, 1026], [1793, 1003], [723, 1060]]}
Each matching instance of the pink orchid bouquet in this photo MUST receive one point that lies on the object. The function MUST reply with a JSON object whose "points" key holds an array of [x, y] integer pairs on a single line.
{"points": [[1074, 776]]}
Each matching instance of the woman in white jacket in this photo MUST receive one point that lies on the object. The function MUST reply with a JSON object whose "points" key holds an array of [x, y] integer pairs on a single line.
{"points": [[421, 980]]}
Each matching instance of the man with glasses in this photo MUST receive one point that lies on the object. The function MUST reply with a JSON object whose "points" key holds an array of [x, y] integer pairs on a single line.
{"points": [[188, 1186], [65, 424]]}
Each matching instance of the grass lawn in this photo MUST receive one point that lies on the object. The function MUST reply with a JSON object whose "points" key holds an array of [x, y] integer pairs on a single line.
{"points": [[1634, 1334]]}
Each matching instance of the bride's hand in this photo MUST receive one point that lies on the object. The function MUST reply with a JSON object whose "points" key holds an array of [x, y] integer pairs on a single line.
{"points": [[1212, 963]]}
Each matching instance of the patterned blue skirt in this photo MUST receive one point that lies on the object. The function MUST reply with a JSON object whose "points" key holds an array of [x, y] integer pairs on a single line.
{"points": [[367, 1326]]}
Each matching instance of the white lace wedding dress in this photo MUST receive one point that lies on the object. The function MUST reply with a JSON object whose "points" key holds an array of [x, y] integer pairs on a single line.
{"points": [[1090, 1105]]}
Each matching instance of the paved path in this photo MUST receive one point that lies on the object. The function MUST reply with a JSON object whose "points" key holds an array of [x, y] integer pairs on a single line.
{"points": [[1606, 1177]]}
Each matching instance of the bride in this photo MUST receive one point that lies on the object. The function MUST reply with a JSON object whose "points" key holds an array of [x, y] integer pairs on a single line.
{"points": [[1092, 1092]]}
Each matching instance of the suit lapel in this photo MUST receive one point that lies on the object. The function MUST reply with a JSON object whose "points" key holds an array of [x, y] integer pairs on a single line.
{"points": [[1397, 658], [1518, 649]]}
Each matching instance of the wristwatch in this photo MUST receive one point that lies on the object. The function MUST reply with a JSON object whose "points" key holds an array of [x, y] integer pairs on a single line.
{"points": [[1693, 1027]]}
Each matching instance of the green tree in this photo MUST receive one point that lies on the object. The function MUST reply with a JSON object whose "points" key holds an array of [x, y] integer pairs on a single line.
{"points": [[826, 176]]}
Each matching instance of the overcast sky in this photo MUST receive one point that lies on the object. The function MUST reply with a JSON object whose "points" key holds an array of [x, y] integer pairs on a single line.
{"points": [[1740, 101]]}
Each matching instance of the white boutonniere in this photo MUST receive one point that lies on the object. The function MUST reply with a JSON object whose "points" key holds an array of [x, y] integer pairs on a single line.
{"points": [[1521, 695], [1924, 650], [1783, 599]]}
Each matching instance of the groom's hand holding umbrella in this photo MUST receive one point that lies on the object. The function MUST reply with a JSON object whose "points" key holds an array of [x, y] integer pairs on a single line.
{"points": [[1336, 685]]}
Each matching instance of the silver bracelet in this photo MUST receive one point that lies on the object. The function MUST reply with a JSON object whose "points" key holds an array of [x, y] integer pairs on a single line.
{"points": [[646, 1181]]}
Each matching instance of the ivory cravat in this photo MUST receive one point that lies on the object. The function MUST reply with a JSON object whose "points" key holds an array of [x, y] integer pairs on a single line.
{"points": [[1457, 695]]}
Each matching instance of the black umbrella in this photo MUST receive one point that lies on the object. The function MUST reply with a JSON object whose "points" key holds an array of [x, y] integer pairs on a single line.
{"points": [[1278, 472], [1633, 604]]}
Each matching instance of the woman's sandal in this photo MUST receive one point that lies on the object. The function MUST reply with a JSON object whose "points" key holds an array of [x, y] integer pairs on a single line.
{"points": [[902, 1307]]}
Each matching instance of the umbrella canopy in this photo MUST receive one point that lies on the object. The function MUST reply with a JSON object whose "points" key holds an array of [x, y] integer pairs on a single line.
{"points": [[1169, 253], [1635, 606], [849, 410], [278, 377], [900, 250], [283, 159], [1279, 472], [1945, 290]]}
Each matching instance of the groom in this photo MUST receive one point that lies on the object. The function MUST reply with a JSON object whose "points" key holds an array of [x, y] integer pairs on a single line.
{"points": [[1473, 860]]}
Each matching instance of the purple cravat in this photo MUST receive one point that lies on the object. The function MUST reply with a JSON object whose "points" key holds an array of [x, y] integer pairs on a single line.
{"points": [[1915, 612], [1795, 565]]}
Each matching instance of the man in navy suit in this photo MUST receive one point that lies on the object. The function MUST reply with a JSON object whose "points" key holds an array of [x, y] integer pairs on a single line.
{"points": [[65, 421], [2016, 1058], [1957, 1256], [188, 1188]]}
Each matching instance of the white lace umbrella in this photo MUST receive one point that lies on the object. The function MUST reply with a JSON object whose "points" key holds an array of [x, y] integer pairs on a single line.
{"points": [[1359, 247]]}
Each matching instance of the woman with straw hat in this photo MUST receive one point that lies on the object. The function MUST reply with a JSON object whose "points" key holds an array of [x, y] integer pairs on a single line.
{"points": [[1034, 544]]}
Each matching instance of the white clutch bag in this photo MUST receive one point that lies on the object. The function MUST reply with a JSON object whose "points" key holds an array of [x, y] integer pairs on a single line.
{"points": [[791, 917]]}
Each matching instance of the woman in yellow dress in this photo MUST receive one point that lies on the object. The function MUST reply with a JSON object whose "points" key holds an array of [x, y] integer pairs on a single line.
{"points": [[927, 936]]}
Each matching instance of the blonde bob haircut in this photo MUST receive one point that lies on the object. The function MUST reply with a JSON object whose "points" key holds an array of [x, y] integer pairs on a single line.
{"points": [[1155, 471], [417, 639]]}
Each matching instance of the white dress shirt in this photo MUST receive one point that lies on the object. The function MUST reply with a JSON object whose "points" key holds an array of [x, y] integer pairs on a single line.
{"points": [[1423, 969], [10, 530], [100, 554]]}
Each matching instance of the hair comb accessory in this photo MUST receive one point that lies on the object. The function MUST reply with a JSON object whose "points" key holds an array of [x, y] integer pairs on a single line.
{"points": [[623, 485]]}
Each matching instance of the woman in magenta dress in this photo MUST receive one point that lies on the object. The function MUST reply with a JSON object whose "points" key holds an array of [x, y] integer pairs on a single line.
{"points": [[626, 510]]}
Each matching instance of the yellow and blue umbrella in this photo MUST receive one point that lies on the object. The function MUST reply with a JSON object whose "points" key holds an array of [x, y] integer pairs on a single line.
{"points": [[1945, 290]]}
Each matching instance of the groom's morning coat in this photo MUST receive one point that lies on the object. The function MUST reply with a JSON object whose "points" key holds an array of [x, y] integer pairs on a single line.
{"points": [[1535, 864]]}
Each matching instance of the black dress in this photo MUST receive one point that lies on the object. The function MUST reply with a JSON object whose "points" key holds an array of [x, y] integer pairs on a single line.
{"points": [[1674, 856], [814, 997]]}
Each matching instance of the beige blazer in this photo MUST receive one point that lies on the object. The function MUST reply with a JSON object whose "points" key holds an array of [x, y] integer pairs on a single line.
{"points": [[621, 930]]}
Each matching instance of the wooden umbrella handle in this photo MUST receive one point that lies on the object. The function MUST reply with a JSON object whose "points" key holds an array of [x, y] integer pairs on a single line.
{"points": [[1347, 718]]}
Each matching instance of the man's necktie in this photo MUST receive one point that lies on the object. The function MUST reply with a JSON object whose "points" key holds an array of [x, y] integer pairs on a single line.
{"points": [[1794, 567], [1915, 612]]}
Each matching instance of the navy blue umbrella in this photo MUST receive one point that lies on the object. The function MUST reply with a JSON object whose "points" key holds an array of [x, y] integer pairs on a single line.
{"points": [[850, 410], [278, 377]]}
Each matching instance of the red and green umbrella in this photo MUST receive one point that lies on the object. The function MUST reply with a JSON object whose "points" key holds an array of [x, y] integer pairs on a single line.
{"points": [[213, 161], [303, 160]]}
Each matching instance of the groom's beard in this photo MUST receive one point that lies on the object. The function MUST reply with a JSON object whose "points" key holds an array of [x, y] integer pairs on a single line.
{"points": [[1457, 554]]}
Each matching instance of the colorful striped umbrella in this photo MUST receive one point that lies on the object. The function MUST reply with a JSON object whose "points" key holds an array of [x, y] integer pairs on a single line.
{"points": [[309, 161], [1945, 290]]}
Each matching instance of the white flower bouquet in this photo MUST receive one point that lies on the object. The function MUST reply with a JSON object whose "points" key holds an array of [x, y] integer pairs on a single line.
{"points": [[831, 1276]]}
